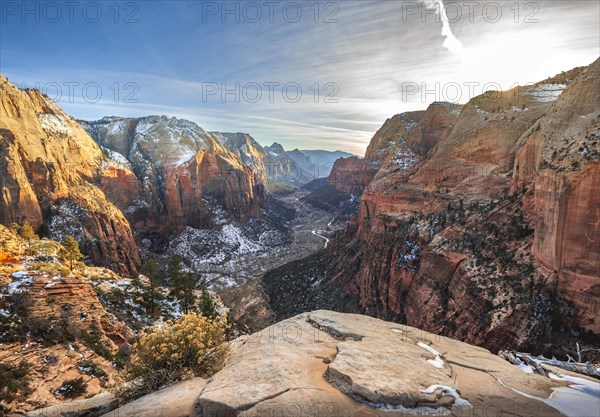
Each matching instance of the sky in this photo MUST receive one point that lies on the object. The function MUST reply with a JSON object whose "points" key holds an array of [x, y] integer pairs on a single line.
{"points": [[309, 75]]}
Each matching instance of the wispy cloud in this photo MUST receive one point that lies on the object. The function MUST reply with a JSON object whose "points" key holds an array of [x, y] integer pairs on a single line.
{"points": [[369, 55]]}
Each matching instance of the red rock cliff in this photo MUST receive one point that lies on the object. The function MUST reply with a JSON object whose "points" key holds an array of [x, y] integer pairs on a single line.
{"points": [[406, 137], [476, 236], [186, 176], [51, 172]]}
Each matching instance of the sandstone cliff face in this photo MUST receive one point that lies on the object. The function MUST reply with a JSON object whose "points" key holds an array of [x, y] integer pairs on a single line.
{"points": [[53, 320], [47, 162], [351, 175], [477, 237], [559, 159], [183, 174], [402, 142]]}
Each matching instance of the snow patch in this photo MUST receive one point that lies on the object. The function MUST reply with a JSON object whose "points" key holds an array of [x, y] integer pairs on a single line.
{"points": [[53, 124], [459, 402], [528, 369], [577, 400], [20, 274], [438, 362], [547, 93], [116, 158], [22, 278], [171, 141]]}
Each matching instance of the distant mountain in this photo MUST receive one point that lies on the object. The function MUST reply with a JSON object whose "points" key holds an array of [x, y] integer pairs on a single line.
{"points": [[271, 163], [316, 163], [325, 158], [276, 165]]}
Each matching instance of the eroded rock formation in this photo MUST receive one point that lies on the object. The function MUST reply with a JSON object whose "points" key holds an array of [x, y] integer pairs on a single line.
{"points": [[50, 167], [184, 174], [492, 237], [402, 141]]}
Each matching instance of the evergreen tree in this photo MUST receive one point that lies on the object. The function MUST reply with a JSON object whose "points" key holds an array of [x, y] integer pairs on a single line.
{"points": [[183, 285], [207, 306], [27, 233], [187, 288], [174, 267], [149, 269], [135, 287], [70, 251]]}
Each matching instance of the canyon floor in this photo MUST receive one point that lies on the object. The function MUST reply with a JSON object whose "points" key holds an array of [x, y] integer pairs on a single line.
{"points": [[309, 232]]}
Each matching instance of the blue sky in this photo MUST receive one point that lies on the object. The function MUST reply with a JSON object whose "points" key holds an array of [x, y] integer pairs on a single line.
{"points": [[167, 56]]}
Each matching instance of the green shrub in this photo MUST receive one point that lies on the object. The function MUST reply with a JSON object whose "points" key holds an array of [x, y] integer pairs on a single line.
{"points": [[14, 382], [122, 357], [90, 368], [47, 331], [94, 338], [71, 388], [64, 271], [20, 303], [50, 359]]}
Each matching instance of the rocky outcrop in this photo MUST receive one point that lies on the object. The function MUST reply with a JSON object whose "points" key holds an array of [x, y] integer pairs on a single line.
{"points": [[72, 299], [402, 142], [332, 364], [559, 160], [249, 306], [47, 161], [352, 175], [341, 365], [54, 321], [183, 173]]}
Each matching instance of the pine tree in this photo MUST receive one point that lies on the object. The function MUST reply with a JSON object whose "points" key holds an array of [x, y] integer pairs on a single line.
{"points": [[207, 306], [188, 297], [70, 251], [27, 233], [135, 287], [149, 269], [174, 268], [183, 285]]}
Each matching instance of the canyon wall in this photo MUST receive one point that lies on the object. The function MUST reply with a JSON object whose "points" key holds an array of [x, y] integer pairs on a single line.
{"points": [[403, 141], [186, 176], [50, 174], [477, 231], [100, 180]]}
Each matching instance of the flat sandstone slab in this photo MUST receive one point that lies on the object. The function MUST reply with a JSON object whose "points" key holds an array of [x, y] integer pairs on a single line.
{"points": [[325, 363]]}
